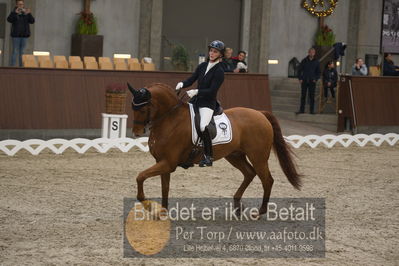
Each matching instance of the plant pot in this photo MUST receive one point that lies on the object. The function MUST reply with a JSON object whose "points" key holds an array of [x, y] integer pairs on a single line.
{"points": [[87, 45], [115, 103]]}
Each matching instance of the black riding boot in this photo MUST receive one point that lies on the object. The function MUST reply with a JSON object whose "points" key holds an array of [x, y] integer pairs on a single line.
{"points": [[207, 141]]}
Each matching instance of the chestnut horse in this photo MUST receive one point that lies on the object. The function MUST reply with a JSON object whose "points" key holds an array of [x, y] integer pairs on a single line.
{"points": [[170, 143]]}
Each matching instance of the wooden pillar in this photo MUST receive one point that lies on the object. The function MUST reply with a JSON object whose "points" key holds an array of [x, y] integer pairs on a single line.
{"points": [[321, 22], [87, 6]]}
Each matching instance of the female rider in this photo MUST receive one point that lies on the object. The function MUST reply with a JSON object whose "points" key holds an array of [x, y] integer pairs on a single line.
{"points": [[210, 76]]}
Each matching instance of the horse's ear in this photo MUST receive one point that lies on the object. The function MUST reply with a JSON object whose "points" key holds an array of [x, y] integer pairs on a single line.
{"points": [[131, 89]]}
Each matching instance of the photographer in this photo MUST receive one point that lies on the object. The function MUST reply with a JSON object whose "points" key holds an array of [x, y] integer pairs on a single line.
{"points": [[20, 18]]}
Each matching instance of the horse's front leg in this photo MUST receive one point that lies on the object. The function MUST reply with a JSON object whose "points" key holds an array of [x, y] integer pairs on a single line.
{"points": [[160, 168]]}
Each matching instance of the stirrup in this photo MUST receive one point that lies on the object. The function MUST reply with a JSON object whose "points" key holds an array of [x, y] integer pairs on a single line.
{"points": [[206, 161]]}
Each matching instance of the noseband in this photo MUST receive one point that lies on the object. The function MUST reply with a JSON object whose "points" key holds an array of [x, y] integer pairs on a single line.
{"points": [[138, 106], [146, 121]]}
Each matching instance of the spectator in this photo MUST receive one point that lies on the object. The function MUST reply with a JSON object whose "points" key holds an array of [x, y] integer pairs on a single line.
{"points": [[330, 79], [20, 18], [389, 67], [308, 75], [239, 62], [359, 68], [228, 61]]}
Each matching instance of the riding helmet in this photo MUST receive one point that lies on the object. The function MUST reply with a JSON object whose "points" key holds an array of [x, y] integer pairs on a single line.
{"points": [[218, 45]]}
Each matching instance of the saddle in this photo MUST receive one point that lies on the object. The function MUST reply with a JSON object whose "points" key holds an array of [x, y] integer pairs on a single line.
{"points": [[212, 131], [212, 125]]}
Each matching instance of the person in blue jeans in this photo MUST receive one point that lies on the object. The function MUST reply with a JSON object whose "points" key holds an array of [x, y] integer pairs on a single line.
{"points": [[20, 18]]}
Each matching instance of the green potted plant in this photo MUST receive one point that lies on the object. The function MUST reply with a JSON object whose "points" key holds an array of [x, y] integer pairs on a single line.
{"points": [[180, 60], [87, 24], [85, 41], [325, 36], [324, 40]]}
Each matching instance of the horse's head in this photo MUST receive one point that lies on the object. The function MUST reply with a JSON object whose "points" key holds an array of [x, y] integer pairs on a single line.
{"points": [[151, 104], [141, 102]]}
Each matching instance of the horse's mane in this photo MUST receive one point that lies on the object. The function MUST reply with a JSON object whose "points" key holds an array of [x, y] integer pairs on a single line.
{"points": [[164, 87]]}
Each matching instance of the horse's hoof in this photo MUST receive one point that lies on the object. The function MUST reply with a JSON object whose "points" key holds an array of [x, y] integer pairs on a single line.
{"points": [[140, 198], [261, 211], [256, 216], [237, 211], [238, 208], [155, 210]]}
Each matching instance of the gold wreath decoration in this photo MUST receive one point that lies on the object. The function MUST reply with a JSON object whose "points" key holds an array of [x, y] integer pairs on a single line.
{"points": [[319, 13]]}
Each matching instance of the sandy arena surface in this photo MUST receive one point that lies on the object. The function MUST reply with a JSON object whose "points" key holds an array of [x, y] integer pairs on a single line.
{"points": [[59, 209]]}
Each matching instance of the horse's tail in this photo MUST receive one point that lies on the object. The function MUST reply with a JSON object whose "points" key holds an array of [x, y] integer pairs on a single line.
{"points": [[284, 152]]}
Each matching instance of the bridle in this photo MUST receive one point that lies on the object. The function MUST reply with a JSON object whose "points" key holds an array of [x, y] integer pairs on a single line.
{"points": [[148, 120]]}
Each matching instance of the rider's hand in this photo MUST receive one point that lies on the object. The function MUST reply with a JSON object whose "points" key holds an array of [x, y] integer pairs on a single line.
{"points": [[179, 86], [192, 93]]}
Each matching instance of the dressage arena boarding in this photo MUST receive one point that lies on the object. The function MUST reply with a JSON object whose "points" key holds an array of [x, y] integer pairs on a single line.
{"points": [[67, 208]]}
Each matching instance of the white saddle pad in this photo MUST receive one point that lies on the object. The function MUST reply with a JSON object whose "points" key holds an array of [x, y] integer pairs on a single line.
{"points": [[224, 133]]}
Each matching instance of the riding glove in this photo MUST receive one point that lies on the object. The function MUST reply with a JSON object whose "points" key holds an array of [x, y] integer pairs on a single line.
{"points": [[179, 86], [192, 93]]}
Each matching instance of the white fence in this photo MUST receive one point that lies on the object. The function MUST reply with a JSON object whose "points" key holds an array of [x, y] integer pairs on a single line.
{"points": [[103, 145], [58, 146], [344, 140]]}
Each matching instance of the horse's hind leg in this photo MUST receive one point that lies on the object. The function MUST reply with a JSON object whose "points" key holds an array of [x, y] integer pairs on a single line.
{"points": [[240, 162], [165, 180], [262, 170]]}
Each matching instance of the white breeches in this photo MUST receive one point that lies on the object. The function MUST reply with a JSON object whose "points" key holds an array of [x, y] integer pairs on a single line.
{"points": [[206, 117]]}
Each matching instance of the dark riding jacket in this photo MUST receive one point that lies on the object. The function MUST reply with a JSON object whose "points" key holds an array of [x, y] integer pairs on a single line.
{"points": [[208, 85]]}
